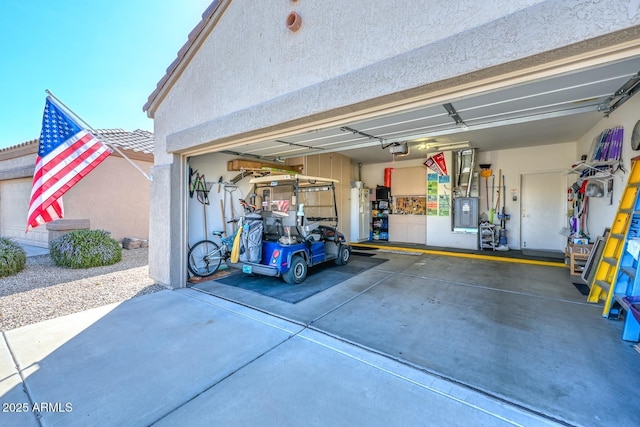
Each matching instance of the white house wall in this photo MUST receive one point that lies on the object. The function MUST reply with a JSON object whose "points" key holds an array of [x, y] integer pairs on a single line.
{"points": [[18, 162], [514, 163], [14, 204]]}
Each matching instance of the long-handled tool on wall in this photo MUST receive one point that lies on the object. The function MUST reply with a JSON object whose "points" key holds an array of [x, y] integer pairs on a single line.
{"points": [[497, 206], [502, 241], [486, 172]]}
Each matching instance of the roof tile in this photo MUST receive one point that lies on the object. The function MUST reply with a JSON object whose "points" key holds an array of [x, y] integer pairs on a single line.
{"points": [[137, 140]]}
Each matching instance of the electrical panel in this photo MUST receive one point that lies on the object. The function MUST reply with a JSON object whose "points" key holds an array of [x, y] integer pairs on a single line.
{"points": [[465, 214]]}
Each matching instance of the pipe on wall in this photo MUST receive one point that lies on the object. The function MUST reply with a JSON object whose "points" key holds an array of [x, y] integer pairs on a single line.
{"points": [[294, 21]]}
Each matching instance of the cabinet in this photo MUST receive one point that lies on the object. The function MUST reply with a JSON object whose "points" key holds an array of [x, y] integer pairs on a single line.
{"points": [[380, 220], [411, 181], [408, 228], [487, 236]]}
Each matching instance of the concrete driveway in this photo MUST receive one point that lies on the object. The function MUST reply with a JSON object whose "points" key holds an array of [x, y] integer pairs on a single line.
{"points": [[413, 341], [518, 332], [187, 358]]}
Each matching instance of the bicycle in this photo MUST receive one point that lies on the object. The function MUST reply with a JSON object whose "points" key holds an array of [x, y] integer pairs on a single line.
{"points": [[204, 258]]}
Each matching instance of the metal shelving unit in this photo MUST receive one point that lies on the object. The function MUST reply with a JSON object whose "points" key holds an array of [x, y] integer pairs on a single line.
{"points": [[487, 236]]}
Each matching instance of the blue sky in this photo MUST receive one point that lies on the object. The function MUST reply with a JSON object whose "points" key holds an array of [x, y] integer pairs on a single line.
{"points": [[101, 58]]}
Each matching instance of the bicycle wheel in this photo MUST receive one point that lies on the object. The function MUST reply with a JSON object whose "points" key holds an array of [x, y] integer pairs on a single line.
{"points": [[204, 258]]}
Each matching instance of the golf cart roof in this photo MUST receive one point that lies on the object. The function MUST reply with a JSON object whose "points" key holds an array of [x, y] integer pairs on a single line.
{"points": [[302, 179]]}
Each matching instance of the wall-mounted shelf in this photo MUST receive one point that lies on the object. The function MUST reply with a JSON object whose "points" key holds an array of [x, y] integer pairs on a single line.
{"points": [[594, 168], [601, 171]]}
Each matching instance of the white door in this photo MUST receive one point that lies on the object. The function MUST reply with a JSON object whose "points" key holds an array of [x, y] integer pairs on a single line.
{"points": [[543, 211], [14, 206]]}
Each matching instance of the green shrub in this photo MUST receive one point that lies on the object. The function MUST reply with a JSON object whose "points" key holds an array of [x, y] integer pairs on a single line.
{"points": [[84, 249], [12, 257]]}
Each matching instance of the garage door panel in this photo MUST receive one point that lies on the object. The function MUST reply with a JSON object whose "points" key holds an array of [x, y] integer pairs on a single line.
{"points": [[14, 206]]}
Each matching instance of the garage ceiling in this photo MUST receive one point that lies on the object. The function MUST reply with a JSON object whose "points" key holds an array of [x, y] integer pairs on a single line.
{"points": [[549, 111]]}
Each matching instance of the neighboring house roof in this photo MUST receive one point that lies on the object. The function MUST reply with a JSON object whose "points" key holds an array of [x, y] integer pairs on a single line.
{"points": [[175, 68], [138, 140], [22, 148]]}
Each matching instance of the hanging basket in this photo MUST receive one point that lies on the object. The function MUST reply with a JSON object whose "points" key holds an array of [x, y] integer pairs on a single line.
{"points": [[203, 193]]}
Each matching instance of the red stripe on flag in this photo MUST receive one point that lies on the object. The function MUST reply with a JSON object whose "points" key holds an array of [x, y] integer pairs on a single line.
{"points": [[69, 171], [69, 175], [54, 212], [73, 180], [47, 165]]}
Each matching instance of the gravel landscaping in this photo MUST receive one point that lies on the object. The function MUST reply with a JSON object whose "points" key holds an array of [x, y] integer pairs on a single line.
{"points": [[44, 291]]}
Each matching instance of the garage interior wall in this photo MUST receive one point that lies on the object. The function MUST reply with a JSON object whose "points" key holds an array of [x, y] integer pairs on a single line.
{"points": [[557, 157], [513, 163], [213, 166]]}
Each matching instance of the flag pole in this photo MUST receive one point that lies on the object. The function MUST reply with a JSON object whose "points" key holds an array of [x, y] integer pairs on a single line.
{"points": [[97, 134]]}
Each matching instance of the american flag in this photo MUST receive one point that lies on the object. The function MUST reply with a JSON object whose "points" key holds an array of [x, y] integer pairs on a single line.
{"points": [[66, 154]]}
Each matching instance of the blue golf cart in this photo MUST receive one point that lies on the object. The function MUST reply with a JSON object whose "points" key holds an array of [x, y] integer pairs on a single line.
{"points": [[294, 229]]}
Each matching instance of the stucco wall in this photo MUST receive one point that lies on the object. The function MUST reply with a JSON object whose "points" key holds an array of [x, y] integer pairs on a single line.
{"points": [[346, 54], [18, 162], [114, 197], [251, 57]]}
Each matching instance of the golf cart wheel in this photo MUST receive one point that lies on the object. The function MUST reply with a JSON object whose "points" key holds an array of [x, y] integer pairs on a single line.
{"points": [[297, 271], [343, 255]]}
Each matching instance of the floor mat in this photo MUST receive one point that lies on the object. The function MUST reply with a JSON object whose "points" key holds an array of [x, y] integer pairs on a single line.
{"points": [[319, 278], [367, 254], [582, 288], [554, 255]]}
